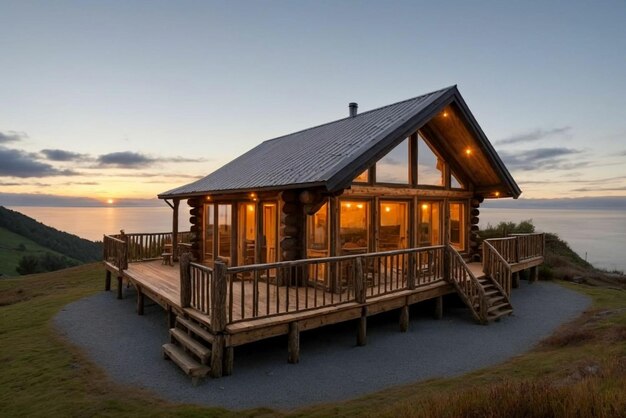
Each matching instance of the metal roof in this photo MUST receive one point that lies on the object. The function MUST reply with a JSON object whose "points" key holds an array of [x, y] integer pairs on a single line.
{"points": [[326, 155]]}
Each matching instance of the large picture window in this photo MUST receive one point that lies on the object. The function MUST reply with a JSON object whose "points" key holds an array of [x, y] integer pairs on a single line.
{"points": [[429, 224], [209, 229], [224, 231], [393, 225], [457, 225], [394, 167], [354, 226], [429, 165]]}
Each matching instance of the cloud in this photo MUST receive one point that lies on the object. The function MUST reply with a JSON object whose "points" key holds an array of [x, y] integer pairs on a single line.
{"points": [[126, 159], [62, 155], [535, 135], [129, 159], [11, 136], [16, 163], [541, 158], [600, 189], [8, 183]]}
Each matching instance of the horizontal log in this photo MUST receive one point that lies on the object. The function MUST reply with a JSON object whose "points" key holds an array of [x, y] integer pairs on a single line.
{"points": [[195, 220], [309, 197], [289, 255], [291, 220], [195, 211], [291, 208], [290, 244], [290, 230], [475, 212], [474, 220], [194, 202], [474, 228], [289, 196]]}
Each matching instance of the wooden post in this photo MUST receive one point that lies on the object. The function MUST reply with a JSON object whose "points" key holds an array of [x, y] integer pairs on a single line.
{"points": [[410, 278], [107, 281], [446, 241], [534, 274], [439, 307], [218, 297], [217, 356], [120, 295], [359, 281], [229, 360], [171, 317], [185, 280], [175, 229], [294, 343], [404, 318], [361, 336], [515, 283], [140, 301]]}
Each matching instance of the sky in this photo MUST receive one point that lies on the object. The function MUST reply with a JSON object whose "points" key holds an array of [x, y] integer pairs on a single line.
{"points": [[124, 100]]}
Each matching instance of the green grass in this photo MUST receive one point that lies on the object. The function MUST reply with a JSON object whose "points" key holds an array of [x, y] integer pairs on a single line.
{"points": [[10, 254], [579, 371]]}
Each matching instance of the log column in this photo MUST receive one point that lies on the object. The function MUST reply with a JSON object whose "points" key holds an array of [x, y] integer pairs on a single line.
{"points": [[293, 229], [196, 221], [474, 247]]}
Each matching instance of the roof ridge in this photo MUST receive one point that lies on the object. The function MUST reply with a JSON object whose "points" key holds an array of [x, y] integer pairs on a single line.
{"points": [[360, 114]]}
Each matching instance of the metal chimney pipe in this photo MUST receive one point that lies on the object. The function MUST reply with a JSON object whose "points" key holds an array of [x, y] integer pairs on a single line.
{"points": [[353, 108]]}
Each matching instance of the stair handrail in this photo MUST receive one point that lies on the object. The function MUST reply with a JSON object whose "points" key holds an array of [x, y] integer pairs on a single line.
{"points": [[489, 251], [481, 314]]}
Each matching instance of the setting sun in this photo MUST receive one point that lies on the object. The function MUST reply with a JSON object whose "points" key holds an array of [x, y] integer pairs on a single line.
{"points": [[110, 201]]}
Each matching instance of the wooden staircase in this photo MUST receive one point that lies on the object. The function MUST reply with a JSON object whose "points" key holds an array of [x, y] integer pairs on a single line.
{"points": [[190, 348], [497, 303]]}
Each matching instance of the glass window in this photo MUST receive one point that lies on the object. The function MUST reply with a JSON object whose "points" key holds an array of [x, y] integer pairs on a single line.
{"points": [[454, 182], [353, 227], [394, 226], [247, 232], [317, 242], [429, 224], [209, 229], [457, 225], [429, 165], [270, 233], [394, 167], [363, 177], [224, 230]]}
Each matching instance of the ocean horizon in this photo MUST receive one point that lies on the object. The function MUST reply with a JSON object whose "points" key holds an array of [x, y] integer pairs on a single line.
{"points": [[597, 235]]}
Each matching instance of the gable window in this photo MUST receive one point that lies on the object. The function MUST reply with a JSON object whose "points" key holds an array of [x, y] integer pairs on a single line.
{"points": [[394, 167], [429, 164], [454, 182], [362, 178]]}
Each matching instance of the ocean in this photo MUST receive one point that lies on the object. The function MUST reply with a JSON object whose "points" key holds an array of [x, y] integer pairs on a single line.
{"points": [[597, 235]]}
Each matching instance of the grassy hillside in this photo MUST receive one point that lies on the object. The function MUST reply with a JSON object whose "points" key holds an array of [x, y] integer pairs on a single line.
{"points": [[13, 247], [28, 246]]}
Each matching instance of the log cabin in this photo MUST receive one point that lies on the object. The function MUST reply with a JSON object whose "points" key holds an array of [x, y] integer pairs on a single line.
{"points": [[365, 214]]}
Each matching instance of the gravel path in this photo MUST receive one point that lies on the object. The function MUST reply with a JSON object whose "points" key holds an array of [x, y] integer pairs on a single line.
{"points": [[332, 367]]}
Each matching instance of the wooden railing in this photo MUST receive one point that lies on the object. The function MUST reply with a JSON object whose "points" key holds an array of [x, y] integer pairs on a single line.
{"points": [[496, 267], [115, 252], [467, 286], [266, 290], [529, 245], [519, 247], [149, 246]]}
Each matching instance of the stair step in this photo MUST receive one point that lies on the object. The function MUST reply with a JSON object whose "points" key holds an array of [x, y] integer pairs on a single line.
{"points": [[196, 329], [495, 299], [187, 363], [499, 314], [203, 352], [492, 292], [498, 307]]}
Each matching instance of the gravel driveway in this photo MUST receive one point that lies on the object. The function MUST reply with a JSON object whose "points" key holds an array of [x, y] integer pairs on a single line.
{"points": [[332, 367]]}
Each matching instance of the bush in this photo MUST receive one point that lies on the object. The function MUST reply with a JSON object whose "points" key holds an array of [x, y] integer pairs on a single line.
{"points": [[30, 264]]}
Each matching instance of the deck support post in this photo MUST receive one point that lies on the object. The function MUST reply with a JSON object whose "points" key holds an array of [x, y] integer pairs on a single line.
{"points": [[404, 318], [439, 307], [140, 301], [120, 295], [217, 356], [534, 274], [171, 317], [515, 281], [294, 343], [361, 336], [175, 229], [185, 280], [107, 281], [229, 360]]}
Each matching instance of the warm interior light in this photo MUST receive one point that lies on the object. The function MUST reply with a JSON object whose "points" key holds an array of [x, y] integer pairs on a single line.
{"points": [[110, 201], [348, 205], [424, 206], [468, 152], [445, 114], [251, 208], [387, 209], [252, 195], [208, 198], [360, 206], [497, 194]]}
